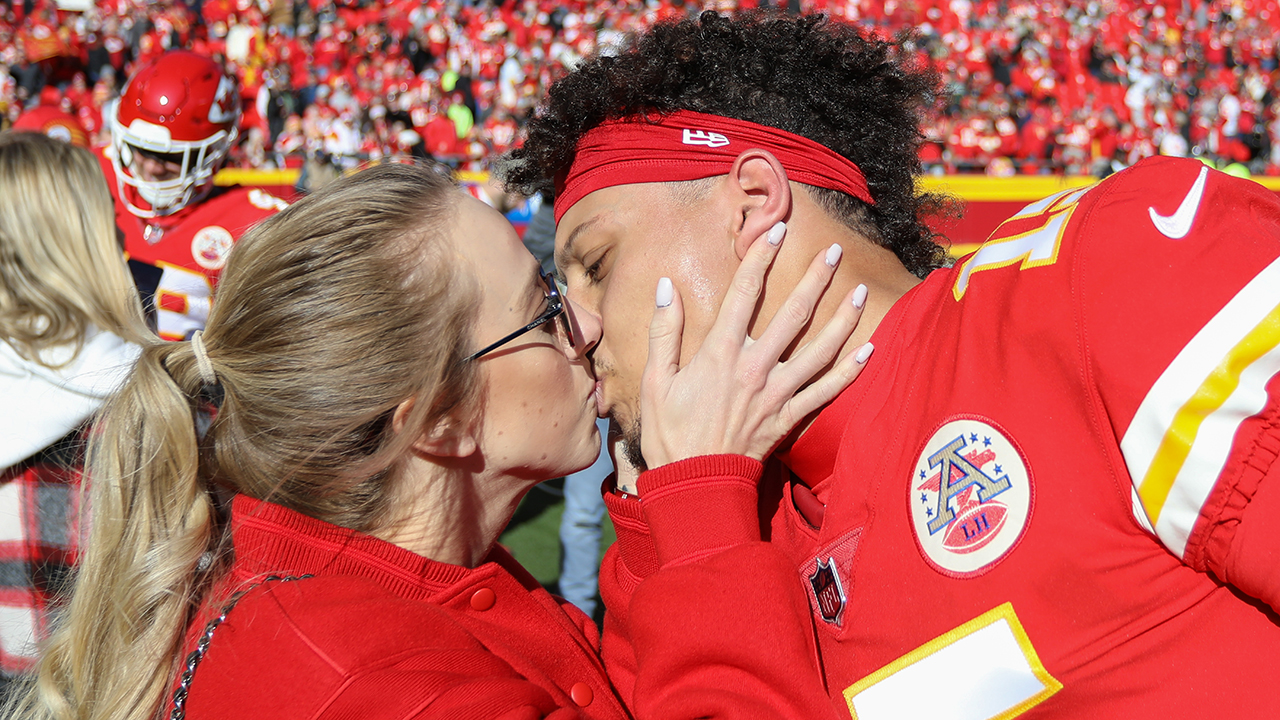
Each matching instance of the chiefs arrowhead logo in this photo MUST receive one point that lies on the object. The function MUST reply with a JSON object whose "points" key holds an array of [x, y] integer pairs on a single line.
{"points": [[223, 109]]}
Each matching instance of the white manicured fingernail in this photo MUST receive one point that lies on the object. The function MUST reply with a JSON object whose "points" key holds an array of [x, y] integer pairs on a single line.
{"points": [[833, 254], [665, 292], [776, 233], [863, 353], [860, 296]]}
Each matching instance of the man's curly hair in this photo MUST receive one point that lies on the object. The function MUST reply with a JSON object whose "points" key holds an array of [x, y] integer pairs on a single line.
{"points": [[824, 80]]}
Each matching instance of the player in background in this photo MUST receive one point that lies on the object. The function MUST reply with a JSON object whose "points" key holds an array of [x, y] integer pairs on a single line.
{"points": [[171, 130]]}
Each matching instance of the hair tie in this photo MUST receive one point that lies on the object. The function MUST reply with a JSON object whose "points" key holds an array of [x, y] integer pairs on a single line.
{"points": [[202, 358]]}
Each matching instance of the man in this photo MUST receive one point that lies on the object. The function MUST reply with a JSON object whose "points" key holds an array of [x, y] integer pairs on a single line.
{"points": [[1053, 492], [171, 131]]}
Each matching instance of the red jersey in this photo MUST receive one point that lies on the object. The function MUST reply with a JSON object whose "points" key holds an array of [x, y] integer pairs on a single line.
{"points": [[176, 259], [1054, 492]]}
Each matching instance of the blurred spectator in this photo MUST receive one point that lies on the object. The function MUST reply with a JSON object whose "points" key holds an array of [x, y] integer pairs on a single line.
{"points": [[1025, 80], [69, 328], [581, 527]]}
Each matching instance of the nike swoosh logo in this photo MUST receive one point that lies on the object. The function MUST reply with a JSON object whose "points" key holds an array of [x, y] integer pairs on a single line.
{"points": [[1177, 225]]}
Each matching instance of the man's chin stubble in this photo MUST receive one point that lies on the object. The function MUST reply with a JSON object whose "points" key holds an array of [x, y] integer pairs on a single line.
{"points": [[630, 434]]}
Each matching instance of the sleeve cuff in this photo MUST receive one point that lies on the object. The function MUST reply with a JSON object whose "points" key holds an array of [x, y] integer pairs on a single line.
{"points": [[635, 545], [700, 506]]}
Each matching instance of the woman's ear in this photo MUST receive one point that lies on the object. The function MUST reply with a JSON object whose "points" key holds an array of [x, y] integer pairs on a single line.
{"points": [[444, 438], [763, 194]]}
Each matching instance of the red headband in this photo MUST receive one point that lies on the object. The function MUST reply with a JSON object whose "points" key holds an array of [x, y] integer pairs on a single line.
{"points": [[687, 145]]}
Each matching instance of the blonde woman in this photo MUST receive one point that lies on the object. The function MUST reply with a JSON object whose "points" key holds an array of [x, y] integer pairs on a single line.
{"points": [[69, 319], [391, 373]]}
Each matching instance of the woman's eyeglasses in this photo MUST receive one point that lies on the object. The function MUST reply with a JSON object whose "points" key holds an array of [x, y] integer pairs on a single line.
{"points": [[555, 309]]}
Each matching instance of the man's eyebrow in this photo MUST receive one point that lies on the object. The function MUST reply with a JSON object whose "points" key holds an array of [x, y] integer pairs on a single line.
{"points": [[566, 253]]}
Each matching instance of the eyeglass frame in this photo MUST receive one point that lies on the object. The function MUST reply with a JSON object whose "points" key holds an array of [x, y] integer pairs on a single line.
{"points": [[555, 309]]}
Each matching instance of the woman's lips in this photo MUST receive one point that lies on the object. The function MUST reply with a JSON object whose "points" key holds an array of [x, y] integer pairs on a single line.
{"points": [[601, 410]]}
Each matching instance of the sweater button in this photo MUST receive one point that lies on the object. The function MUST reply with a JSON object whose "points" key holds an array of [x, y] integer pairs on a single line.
{"points": [[483, 599], [581, 693]]}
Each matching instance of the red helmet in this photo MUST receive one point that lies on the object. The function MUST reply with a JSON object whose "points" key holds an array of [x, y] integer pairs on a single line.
{"points": [[183, 112]]}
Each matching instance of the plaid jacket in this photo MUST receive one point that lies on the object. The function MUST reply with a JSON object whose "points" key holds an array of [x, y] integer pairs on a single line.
{"points": [[39, 545]]}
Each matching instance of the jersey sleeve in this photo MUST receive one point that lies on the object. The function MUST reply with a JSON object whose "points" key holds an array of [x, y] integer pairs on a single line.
{"points": [[625, 564], [252, 206], [705, 620], [1177, 271]]}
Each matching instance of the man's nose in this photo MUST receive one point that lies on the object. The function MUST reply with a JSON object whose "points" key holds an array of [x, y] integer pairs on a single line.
{"points": [[156, 170]]}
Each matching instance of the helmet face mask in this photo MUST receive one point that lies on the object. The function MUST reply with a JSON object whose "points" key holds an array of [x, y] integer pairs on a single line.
{"points": [[180, 114], [197, 163]]}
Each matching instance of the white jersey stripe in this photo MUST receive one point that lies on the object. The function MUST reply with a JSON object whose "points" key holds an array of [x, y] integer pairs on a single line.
{"points": [[1033, 248], [1180, 438], [1208, 454]]}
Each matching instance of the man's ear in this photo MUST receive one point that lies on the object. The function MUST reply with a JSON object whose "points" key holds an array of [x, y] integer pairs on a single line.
{"points": [[763, 193], [445, 438]]}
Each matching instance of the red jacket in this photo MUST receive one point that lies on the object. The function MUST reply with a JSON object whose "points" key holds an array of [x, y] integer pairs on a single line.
{"points": [[380, 632], [1054, 493]]}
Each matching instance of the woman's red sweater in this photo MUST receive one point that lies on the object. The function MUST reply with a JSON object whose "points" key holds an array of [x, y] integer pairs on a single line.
{"points": [[380, 632]]}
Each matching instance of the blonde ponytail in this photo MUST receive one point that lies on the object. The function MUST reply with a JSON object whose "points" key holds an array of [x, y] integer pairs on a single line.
{"points": [[152, 520]]}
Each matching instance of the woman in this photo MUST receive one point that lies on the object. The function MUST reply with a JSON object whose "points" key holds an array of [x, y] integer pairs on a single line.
{"points": [[388, 373], [68, 314]]}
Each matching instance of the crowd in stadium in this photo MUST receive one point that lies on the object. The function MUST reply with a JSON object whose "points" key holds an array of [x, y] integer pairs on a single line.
{"points": [[1029, 85]]}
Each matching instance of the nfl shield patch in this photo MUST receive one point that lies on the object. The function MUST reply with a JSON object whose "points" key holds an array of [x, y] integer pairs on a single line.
{"points": [[828, 581], [825, 581]]}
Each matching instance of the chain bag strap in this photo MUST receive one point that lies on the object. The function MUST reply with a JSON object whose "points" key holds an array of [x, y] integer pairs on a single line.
{"points": [[179, 711]]}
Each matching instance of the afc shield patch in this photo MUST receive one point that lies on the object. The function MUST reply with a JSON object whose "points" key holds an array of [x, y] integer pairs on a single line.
{"points": [[210, 246], [970, 497]]}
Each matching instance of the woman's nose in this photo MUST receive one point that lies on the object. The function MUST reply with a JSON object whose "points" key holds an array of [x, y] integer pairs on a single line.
{"points": [[586, 328]]}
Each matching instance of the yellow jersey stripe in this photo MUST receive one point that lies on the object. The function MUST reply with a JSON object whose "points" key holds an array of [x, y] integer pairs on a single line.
{"points": [[1208, 399], [1181, 436]]}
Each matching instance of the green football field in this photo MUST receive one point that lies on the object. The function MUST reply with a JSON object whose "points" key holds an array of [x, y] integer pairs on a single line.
{"points": [[534, 533]]}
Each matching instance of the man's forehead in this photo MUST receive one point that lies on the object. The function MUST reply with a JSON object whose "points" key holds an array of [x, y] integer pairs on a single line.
{"points": [[572, 228], [620, 205], [607, 207]]}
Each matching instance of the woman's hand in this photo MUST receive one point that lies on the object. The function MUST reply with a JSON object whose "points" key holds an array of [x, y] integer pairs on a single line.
{"points": [[734, 395]]}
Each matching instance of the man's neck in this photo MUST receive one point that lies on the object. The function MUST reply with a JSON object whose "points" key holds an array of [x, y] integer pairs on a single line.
{"points": [[886, 280], [863, 263], [810, 231]]}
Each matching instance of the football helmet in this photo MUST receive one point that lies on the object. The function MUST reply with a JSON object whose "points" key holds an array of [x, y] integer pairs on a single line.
{"points": [[170, 131]]}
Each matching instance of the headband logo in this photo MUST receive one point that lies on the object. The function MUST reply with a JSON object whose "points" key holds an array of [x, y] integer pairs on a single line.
{"points": [[702, 137]]}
